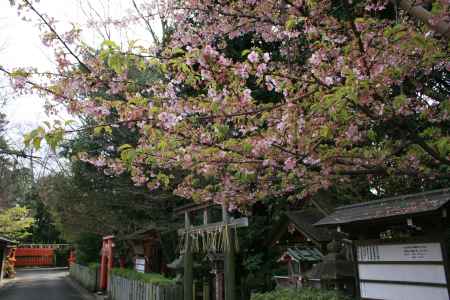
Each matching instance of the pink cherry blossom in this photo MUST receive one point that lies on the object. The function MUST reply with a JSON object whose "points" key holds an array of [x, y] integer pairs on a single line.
{"points": [[253, 57], [289, 164]]}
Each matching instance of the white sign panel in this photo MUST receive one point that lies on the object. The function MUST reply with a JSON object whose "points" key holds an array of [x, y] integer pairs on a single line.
{"points": [[372, 290], [402, 252], [140, 265], [405, 273], [410, 271]]}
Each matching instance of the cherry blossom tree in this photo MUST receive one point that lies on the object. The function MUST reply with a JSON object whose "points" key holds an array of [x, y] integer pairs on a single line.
{"points": [[259, 99]]}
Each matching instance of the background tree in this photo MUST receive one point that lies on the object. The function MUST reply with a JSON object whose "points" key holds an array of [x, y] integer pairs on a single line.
{"points": [[15, 223]]}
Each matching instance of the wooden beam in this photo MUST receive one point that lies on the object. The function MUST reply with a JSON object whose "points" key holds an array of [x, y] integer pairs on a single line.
{"points": [[192, 207], [241, 222]]}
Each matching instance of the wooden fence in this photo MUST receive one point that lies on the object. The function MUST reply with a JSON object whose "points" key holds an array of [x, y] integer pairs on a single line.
{"points": [[120, 288], [87, 277]]}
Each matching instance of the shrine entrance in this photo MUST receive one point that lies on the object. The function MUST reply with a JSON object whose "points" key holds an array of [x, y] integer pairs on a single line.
{"points": [[217, 241]]}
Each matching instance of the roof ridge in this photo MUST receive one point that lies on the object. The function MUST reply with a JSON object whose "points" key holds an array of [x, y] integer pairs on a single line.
{"points": [[388, 199]]}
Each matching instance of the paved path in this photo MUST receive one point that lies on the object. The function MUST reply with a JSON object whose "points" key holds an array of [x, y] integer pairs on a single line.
{"points": [[41, 284]]}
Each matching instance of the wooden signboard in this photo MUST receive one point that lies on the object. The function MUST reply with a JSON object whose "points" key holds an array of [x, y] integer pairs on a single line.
{"points": [[402, 270], [139, 265]]}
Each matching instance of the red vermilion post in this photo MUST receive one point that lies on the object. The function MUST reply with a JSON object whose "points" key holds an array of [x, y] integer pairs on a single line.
{"points": [[72, 258], [106, 260]]}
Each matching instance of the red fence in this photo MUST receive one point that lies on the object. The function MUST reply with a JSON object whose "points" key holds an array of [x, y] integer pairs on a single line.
{"points": [[34, 257]]}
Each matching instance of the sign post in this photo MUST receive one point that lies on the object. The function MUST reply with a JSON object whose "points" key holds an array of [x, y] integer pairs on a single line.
{"points": [[412, 269]]}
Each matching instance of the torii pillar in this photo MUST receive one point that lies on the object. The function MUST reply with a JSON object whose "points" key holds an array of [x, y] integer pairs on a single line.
{"points": [[106, 260]]}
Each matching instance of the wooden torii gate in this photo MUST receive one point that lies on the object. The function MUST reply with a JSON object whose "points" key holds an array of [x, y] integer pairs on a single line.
{"points": [[226, 225]]}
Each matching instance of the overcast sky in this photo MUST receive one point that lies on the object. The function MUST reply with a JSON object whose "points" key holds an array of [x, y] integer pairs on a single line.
{"points": [[21, 47]]}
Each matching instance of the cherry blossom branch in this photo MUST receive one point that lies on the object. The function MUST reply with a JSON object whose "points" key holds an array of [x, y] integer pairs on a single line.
{"points": [[35, 85], [50, 27], [415, 137], [147, 23], [233, 15], [16, 153]]}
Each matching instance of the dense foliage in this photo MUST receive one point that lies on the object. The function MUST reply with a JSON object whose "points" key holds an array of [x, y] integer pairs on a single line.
{"points": [[15, 178], [15, 223]]}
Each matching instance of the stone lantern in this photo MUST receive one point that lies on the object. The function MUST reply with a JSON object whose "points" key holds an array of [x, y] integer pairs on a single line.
{"points": [[334, 272]]}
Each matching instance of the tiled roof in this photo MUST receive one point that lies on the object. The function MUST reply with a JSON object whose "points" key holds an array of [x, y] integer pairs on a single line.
{"points": [[388, 207], [304, 220], [140, 234], [304, 254]]}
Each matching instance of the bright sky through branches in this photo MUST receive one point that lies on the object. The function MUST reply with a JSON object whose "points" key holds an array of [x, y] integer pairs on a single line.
{"points": [[21, 47]]}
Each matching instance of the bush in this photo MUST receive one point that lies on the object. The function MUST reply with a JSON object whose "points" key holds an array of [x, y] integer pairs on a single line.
{"points": [[93, 266], [152, 278], [299, 294]]}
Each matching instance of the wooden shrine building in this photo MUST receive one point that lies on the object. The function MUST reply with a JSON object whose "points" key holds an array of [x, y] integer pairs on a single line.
{"points": [[301, 243], [146, 253], [400, 245], [297, 228]]}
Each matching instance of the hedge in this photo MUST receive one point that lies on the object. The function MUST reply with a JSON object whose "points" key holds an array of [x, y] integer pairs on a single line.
{"points": [[300, 294], [153, 278]]}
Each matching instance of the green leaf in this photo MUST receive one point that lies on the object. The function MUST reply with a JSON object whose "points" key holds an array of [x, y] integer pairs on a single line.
{"points": [[291, 23], [245, 52], [109, 44], [443, 146], [247, 147], [163, 179], [371, 135], [37, 143], [117, 62], [399, 101], [326, 132], [124, 147]]}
